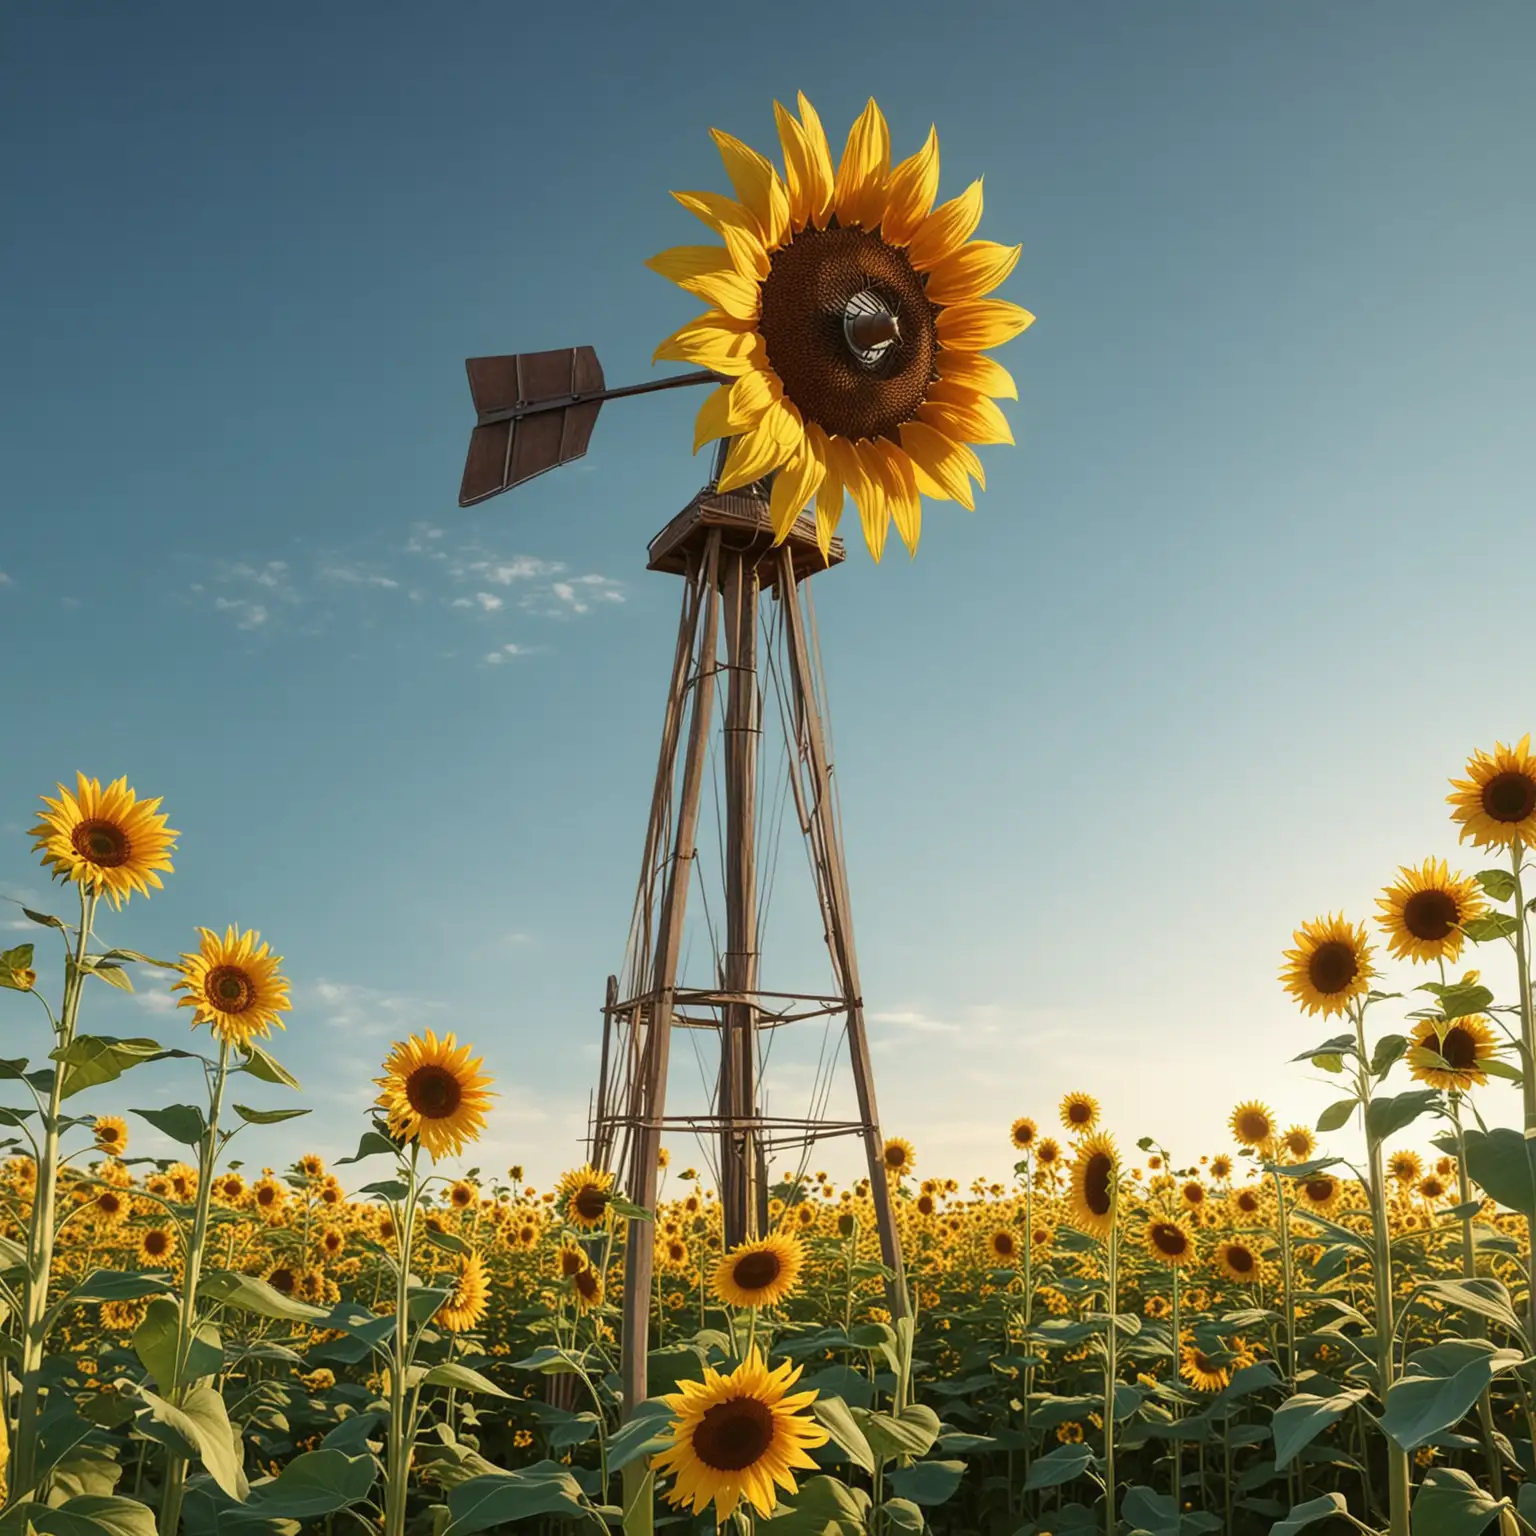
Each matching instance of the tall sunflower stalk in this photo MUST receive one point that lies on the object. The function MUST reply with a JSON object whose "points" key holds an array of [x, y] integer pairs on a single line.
{"points": [[1111, 1354], [399, 1442]]}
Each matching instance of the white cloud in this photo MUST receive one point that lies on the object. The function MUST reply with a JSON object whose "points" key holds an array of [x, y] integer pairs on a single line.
{"points": [[248, 615], [364, 1010], [5, 581], [580, 592], [352, 576]]}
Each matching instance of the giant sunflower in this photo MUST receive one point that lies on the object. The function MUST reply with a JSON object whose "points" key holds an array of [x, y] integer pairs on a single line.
{"points": [[233, 986], [107, 840], [849, 316], [1330, 965], [738, 1437], [1452, 1055], [433, 1092], [1093, 1185], [466, 1305], [1496, 803], [760, 1274], [1423, 912], [583, 1195]]}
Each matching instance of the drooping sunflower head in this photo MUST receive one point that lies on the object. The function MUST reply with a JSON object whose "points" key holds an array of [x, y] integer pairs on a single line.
{"points": [[107, 840], [1330, 965], [1432, 1187], [1253, 1125], [1170, 1242], [850, 317], [1452, 1054], [1423, 911], [1079, 1113], [900, 1157], [586, 1289], [1094, 1172], [1205, 1372], [469, 1299], [569, 1258], [434, 1093], [462, 1194], [739, 1436], [110, 1133], [1495, 805], [584, 1195], [233, 985], [1023, 1133], [760, 1274]]}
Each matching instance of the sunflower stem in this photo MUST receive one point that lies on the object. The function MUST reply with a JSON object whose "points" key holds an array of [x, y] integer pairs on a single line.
{"points": [[397, 1464], [1177, 1408], [40, 1233], [1111, 1354]]}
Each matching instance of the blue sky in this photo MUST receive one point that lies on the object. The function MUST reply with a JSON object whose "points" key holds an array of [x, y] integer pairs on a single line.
{"points": [[1243, 596]]}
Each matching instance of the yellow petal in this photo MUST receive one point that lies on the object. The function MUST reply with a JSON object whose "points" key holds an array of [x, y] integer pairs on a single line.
{"points": [[713, 419], [975, 269], [684, 261], [913, 186], [758, 186], [797, 165], [712, 340], [819, 191], [793, 486], [751, 395], [761, 448], [859, 191], [748, 254], [713, 209], [941, 460], [971, 417], [946, 229], [977, 371], [729, 292], [901, 494], [867, 488], [978, 324]]}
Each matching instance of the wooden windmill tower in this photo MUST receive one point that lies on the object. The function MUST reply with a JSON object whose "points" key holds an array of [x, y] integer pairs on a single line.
{"points": [[747, 628]]}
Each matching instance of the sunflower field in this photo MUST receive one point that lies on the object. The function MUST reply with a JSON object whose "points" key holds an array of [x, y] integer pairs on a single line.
{"points": [[1125, 1337]]}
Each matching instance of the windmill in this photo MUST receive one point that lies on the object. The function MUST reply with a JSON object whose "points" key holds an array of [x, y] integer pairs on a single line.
{"points": [[844, 347]]}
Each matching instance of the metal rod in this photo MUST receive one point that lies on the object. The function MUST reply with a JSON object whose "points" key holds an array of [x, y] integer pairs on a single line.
{"points": [[586, 397]]}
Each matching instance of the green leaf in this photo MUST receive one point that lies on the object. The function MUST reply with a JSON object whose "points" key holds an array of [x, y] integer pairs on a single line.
{"points": [[1492, 925], [1337, 1114], [252, 1295], [1301, 1419], [912, 1433], [901, 1514], [644, 1433], [1439, 1385], [1461, 1000], [1303, 1515], [269, 1070], [1449, 1503], [1498, 883], [267, 1116], [450, 1242], [1485, 1296], [927, 1482], [116, 1285], [1340, 1045], [835, 1416], [314, 1484], [451, 1374], [90, 1060], [823, 1506], [86, 1515], [154, 1342], [42, 917], [1060, 1466], [1503, 1162], [553, 1361], [1389, 1049], [113, 975], [183, 1123], [628, 1209], [546, 1488], [1386, 1117], [371, 1145], [198, 1429]]}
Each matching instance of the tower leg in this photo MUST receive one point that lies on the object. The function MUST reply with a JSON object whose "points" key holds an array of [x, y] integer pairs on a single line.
{"points": [[651, 1083]]}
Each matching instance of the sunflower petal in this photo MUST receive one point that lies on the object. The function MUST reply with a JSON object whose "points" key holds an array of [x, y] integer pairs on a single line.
{"points": [[793, 486], [751, 395], [913, 186], [758, 186], [712, 340], [939, 458], [714, 418], [867, 487], [729, 292], [798, 175], [946, 229], [976, 371], [713, 208], [975, 269], [902, 494], [829, 499], [682, 262], [761, 448], [966, 415], [859, 191], [820, 187], [978, 324]]}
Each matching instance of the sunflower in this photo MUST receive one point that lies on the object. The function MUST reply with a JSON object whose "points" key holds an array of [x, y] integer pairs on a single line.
{"points": [[108, 840], [570, 1259], [1405, 1166], [466, 1305], [584, 1194], [1079, 1112], [848, 316], [1203, 1372], [1170, 1242], [1452, 1055], [156, 1244], [311, 1165], [1496, 803], [1237, 1261], [1093, 1185], [1299, 1142], [760, 1274], [229, 1188], [462, 1194], [283, 1278], [269, 1197], [1048, 1152], [587, 1289], [900, 1157], [1221, 1167], [1022, 1133], [1003, 1246], [672, 1254], [738, 1436], [111, 1134], [434, 1092], [1330, 965], [110, 1206], [1423, 914], [1252, 1125], [1192, 1194], [1321, 1192], [1431, 1187], [233, 987]]}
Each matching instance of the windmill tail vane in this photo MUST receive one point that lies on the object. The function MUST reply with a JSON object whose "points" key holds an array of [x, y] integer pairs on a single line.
{"points": [[535, 411]]}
